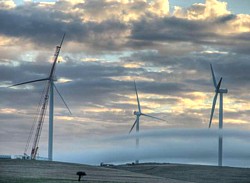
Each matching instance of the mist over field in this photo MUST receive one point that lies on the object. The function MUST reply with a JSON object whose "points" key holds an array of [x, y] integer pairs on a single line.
{"points": [[192, 146]]}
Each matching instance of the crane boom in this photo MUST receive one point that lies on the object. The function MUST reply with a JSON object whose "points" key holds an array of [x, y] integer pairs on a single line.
{"points": [[58, 48]]}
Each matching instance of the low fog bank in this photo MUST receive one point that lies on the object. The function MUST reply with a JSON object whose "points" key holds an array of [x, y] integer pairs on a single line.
{"points": [[191, 146]]}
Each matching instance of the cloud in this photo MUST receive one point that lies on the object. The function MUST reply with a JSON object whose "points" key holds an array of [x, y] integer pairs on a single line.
{"points": [[79, 20], [216, 8], [228, 23], [35, 29], [121, 25], [123, 10], [7, 4], [210, 10]]}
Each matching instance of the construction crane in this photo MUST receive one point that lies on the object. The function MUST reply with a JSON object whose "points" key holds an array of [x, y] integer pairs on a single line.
{"points": [[48, 90], [45, 104]]}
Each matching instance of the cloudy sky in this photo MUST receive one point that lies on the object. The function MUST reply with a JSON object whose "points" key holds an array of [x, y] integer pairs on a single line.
{"points": [[166, 46]]}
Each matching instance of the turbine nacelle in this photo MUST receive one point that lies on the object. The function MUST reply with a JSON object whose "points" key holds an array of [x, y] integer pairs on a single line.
{"points": [[222, 91]]}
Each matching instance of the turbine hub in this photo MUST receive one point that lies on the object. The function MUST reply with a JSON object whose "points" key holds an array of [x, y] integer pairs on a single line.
{"points": [[137, 113]]}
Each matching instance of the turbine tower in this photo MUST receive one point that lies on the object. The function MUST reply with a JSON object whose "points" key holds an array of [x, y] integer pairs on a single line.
{"points": [[48, 95], [137, 120], [220, 91]]}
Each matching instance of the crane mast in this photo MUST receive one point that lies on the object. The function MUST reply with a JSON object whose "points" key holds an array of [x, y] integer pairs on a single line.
{"points": [[40, 122]]}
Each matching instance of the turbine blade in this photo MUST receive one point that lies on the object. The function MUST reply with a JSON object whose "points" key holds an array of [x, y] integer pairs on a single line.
{"points": [[62, 98], [214, 80], [134, 124], [152, 117], [214, 102], [27, 82], [218, 86], [213, 107], [138, 102]]}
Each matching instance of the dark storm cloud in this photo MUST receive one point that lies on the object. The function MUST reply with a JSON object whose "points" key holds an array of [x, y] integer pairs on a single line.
{"points": [[173, 62], [97, 91], [199, 32], [24, 72], [36, 24], [179, 74], [91, 83], [167, 88], [92, 70], [169, 29], [244, 36], [29, 25], [21, 99], [194, 68], [243, 113], [226, 18], [97, 6], [233, 69]]}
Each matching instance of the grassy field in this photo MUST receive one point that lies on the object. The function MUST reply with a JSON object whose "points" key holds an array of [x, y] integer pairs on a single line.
{"points": [[27, 171], [192, 173], [30, 171]]}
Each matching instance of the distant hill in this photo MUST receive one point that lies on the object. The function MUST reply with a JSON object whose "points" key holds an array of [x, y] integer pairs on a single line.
{"points": [[31, 171]]}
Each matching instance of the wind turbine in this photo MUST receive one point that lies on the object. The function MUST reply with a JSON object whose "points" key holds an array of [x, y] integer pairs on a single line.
{"points": [[48, 95], [220, 91], [137, 120]]}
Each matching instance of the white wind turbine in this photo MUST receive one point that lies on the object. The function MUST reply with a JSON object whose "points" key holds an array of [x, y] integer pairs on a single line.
{"points": [[220, 91], [48, 95], [137, 120]]}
